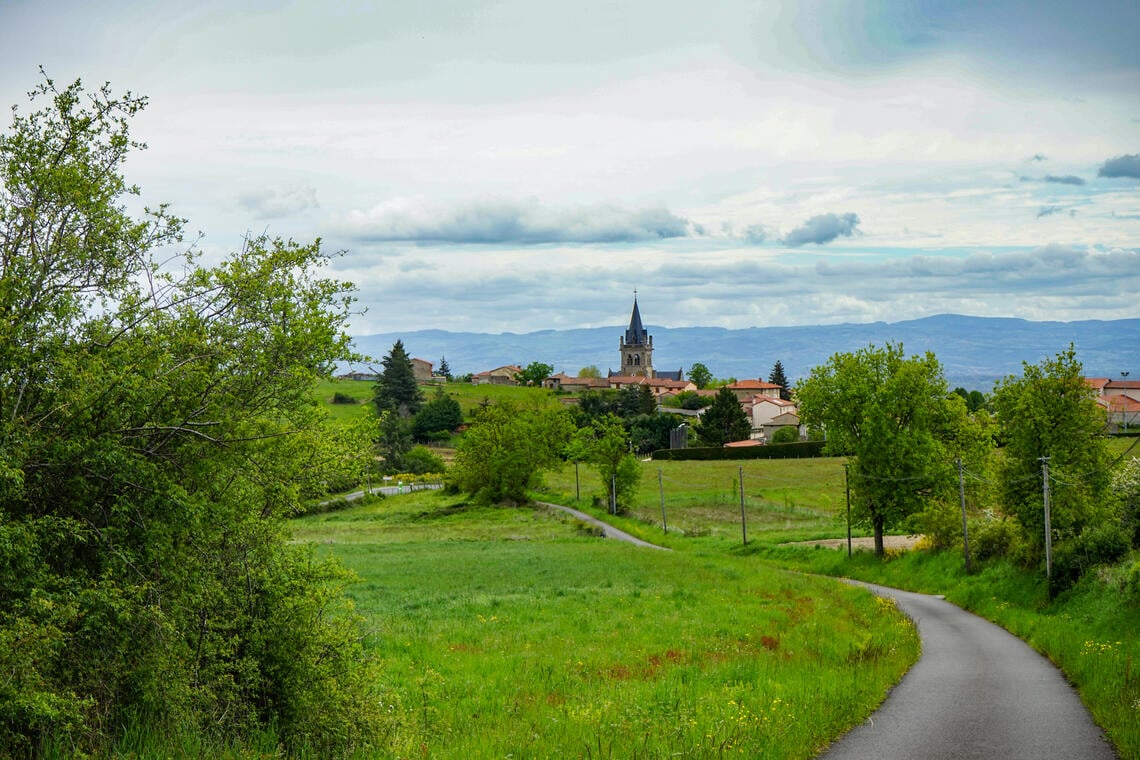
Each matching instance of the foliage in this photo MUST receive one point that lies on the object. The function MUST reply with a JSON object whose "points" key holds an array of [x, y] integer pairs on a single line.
{"points": [[396, 390], [992, 538], [786, 434], [420, 460], [342, 398], [1049, 411], [156, 425], [507, 448], [723, 421], [393, 442], [534, 373], [590, 370], [894, 417], [1126, 488], [607, 446], [649, 432], [700, 375], [975, 400], [442, 414], [777, 377]]}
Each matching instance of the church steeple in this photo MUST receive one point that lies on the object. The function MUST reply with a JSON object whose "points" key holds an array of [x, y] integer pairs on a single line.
{"points": [[636, 347], [636, 335]]}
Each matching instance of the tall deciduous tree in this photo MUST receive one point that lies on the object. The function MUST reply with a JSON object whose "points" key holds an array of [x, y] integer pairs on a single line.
{"points": [[607, 447], [777, 377], [1050, 411], [156, 425], [893, 417], [700, 375], [396, 389], [507, 448], [723, 421], [535, 373]]}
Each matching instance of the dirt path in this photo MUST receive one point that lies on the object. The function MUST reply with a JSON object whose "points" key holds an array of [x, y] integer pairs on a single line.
{"points": [[868, 542]]}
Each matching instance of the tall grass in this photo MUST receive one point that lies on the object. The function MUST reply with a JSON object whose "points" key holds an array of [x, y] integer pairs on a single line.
{"points": [[511, 632]]}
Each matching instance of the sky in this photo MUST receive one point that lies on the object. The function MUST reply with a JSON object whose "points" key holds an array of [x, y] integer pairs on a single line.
{"points": [[520, 165]]}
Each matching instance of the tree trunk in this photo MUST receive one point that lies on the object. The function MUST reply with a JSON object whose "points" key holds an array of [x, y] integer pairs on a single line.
{"points": [[877, 521]]}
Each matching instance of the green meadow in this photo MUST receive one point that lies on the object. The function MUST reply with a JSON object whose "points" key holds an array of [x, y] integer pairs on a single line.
{"points": [[517, 632]]}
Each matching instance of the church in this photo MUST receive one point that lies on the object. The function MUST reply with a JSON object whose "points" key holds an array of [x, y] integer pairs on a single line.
{"points": [[637, 350]]}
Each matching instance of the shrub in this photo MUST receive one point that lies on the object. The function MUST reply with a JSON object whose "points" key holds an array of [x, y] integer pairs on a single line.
{"points": [[941, 524], [421, 459], [798, 450], [786, 434], [992, 538], [343, 398]]}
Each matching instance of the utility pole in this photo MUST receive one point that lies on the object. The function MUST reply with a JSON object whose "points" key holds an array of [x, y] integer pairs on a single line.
{"points": [[661, 490], [1048, 522], [577, 484], [847, 487], [965, 529], [743, 525], [613, 493]]}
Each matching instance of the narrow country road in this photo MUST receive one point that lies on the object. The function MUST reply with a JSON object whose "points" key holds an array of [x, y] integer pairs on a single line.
{"points": [[977, 691], [608, 531]]}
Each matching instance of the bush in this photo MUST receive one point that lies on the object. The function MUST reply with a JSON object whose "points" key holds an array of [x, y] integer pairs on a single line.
{"points": [[1100, 545], [786, 434], [992, 539], [941, 523], [421, 459], [343, 398]]}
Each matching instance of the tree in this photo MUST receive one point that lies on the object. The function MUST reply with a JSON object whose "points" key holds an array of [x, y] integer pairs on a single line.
{"points": [[649, 432], [892, 416], [393, 442], [606, 444], [439, 416], [535, 373], [396, 389], [1050, 411], [589, 370], [723, 421], [786, 434], [507, 448], [777, 377], [444, 368], [700, 375], [156, 426]]}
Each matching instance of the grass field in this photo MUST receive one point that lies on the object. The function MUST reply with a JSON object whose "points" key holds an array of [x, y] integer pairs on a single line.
{"points": [[514, 632]]}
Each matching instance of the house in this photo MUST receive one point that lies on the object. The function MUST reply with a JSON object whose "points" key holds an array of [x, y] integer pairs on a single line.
{"points": [[787, 419], [659, 385], [421, 369], [505, 375], [1120, 400], [763, 409], [746, 389], [565, 383]]}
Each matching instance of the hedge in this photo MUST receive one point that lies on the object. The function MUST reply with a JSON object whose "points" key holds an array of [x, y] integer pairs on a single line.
{"points": [[798, 450]]}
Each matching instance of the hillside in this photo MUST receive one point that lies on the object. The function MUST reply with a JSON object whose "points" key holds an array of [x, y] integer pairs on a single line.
{"points": [[975, 351]]}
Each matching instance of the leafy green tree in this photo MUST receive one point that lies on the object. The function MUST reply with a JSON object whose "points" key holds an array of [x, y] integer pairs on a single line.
{"points": [[1050, 411], [649, 432], [534, 373], [1126, 487], [786, 434], [895, 418], [507, 448], [777, 377], [723, 421], [607, 447], [394, 440], [700, 375], [396, 389], [421, 460], [633, 400], [437, 417], [589, 370], [156, 427]]}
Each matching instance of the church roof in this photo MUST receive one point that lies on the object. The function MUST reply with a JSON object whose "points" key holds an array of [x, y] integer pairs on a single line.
{"points": [[636, 335]]}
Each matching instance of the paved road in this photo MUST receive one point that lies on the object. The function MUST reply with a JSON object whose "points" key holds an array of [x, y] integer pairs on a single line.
{"points": [[976, 692], [608, 531]]}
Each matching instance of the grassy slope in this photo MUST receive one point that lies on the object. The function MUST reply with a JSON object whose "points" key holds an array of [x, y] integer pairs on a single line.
{"points": [[511, 631]]}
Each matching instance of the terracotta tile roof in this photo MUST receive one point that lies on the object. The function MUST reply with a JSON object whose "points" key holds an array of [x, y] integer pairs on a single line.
{"points": [[1097, 382], [748, 385]]}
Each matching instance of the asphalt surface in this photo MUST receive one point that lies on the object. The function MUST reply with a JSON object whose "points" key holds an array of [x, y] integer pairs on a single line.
{"points": [[977, 691], [608, 531]]}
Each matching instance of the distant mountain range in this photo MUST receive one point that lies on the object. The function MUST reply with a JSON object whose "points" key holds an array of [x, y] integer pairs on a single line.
{"points": [[974, 351]]}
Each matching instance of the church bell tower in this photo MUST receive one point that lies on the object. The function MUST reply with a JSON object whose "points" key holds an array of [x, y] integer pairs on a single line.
{"points": [[636, 347]]}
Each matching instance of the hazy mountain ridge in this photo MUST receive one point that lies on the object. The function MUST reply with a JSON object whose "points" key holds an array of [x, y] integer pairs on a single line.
{"points": [[974, 351]]}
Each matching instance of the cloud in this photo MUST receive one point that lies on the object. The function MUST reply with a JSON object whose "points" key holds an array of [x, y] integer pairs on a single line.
{"points": [[278, 202], [755, 234], [518, 222], [1121, 166], [1049, 211], [1067, 179], [1039, 157], [822, 229]]}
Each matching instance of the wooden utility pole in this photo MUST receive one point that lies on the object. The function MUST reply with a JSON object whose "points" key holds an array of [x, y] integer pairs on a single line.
{"points": [[965, 530], [1048, 519], [743, 524], [847, 488]]}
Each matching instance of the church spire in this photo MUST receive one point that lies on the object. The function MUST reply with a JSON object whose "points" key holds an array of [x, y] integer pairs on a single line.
{"points": [[636, 335]]}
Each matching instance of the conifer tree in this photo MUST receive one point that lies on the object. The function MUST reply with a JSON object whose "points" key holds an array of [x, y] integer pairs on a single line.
{"points": [[777, 377], [396, 390]]}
